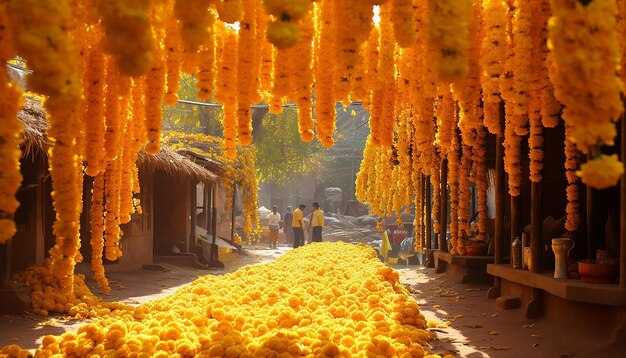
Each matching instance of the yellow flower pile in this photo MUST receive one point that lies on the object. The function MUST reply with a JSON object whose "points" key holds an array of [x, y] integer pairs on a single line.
{"points": [[310, 302]]}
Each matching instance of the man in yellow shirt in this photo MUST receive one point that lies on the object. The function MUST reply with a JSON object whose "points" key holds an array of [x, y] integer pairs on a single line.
{"points": [[317, 222], [297, 224]]}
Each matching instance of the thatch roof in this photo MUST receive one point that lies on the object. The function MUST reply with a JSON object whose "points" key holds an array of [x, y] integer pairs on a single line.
{"points": [[35, 141]]}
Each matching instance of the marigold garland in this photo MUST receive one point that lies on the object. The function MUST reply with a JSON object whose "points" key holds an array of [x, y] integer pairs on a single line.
{"points": [[96, 213], [571, 164], [206, 64], [11, 178], [590, 90], [448, 39], [492, 58], [173, 50], [124, 22], [324, 78]]}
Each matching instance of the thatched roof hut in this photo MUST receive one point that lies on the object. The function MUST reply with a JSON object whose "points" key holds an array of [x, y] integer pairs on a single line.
{"points": [[35, 141]]}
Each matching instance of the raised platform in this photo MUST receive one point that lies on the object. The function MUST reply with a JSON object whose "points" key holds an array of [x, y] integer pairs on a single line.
{"points": [[471, 269], [568, 289]]}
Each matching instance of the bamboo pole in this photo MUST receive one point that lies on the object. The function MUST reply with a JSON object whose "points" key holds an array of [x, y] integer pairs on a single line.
{"points": [[515, 222], [443, 206]]}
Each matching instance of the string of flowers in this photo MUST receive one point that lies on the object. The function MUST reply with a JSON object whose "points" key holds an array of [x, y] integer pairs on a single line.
{"points": [[96, 218], [55, 74], [492, 58], [590, 90], [11, 101], [226, 90], [571, 164], [246, 72], [205, 71], [131, 60], [324, 78], [303, 79], [448, 39]]}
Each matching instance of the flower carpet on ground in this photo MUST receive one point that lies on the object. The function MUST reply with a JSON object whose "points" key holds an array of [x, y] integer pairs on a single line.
{"points": [[323, 299]]}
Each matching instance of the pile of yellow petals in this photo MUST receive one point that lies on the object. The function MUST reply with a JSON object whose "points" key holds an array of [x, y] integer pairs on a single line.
{"points": [[323, 299]]}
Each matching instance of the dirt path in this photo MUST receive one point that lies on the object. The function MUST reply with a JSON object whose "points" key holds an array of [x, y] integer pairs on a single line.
{"points": [[469, 323]]}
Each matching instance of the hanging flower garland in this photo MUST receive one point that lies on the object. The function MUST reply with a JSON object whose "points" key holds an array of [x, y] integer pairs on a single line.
{"points": [[435, 182], [349, 32], [492, 58], [454, 164], [282, 32], [206, 64], [590, 89], [403, 24], [173, 48], [96, 213], [196, 22], [55, 74], [571, 163], [464, 198], [246, 72], [324, 78], [132, 60], [226, 90], [481, 179], [10, 102], [303, 79], [521, 62], [448, 39]]}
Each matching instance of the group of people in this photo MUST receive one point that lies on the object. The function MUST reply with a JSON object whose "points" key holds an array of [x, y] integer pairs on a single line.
{"points": [[293, 225]]}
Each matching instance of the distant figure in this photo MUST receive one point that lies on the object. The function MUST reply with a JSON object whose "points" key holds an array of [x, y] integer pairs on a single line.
{"points": [[287, 219], [317, 222], [274, 224], [297, 224]]}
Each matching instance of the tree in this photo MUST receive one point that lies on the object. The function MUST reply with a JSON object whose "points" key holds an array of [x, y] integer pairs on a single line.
{"points": [[281, 153]]}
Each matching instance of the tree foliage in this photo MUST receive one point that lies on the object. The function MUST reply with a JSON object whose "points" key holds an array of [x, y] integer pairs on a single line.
{"points": [[281, 154]]}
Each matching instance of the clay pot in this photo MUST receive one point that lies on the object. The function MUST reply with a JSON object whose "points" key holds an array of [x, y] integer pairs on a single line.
{"points": [[476, 250], [592, 272]]}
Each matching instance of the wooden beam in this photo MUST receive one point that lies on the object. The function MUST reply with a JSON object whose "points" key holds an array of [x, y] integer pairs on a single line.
{"points": [[443, 206], [427, 203], [536, 227], [622, 220]]}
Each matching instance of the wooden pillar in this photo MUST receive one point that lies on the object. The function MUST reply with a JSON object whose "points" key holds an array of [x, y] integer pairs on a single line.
{"points": [[429, 223], [590, 245], [536, 227], [5, 255], [194, 207], [499, 193], [622, 220], [232, 215], [515, 222], [443, 206]]}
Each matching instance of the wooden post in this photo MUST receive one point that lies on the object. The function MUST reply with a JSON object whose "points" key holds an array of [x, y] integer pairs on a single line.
{"points": [[622, 220], [5, 254], [443, 206], [499, 193], [232, 215], [429, 223], [515, 232], [536, 227], [194, 207], [590, 246]]}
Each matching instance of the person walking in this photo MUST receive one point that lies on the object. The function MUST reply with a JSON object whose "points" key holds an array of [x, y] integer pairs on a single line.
{"points": [[297, 224], [274, 224], [317, 222], [287, 219]]}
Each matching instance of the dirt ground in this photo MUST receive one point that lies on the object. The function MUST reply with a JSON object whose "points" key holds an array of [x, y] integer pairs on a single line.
{"points": [[469, 325]]}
